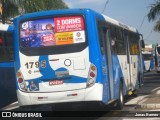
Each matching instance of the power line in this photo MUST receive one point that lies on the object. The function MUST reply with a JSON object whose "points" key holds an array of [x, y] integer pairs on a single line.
{"points": [[142, 22], [105, 5]]}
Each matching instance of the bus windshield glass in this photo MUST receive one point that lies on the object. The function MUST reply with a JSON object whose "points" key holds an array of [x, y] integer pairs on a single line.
{"points": [[57, 31], [158, 49]]}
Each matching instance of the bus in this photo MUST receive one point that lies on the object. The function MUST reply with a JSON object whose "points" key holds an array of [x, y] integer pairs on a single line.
{"points": [[157, 58], [148, 61], [7, 72], [75, 56]]}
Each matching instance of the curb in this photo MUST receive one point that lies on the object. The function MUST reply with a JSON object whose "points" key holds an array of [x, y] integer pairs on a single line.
{"points": [[147, 106]]}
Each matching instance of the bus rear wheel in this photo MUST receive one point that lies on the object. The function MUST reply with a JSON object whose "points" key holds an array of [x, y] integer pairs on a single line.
{"points": [[120, 101]]}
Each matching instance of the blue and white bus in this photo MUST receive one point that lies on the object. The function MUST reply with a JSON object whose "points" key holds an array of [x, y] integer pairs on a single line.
{"points": [[75, 56], [148, 61], [7, 68], [157, 58]]}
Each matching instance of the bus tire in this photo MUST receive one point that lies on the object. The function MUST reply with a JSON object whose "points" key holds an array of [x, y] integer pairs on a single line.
{"points": [[135, 93], [140, 80], [120, 101]]}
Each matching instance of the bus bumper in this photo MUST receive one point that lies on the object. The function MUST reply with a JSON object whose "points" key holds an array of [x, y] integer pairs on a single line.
{"points": [[93, 93]]}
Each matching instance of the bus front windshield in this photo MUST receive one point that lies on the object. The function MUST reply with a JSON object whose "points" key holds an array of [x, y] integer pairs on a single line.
{"points": [[52, 32]]}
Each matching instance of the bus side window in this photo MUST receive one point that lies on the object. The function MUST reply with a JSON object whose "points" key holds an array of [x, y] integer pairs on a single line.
{"points": [[101, 39], [113, 39], [120, 42], [6, 47], [134, 45]]}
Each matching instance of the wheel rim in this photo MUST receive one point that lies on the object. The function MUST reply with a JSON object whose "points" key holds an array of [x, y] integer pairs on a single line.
{"points": [[121, 96]]}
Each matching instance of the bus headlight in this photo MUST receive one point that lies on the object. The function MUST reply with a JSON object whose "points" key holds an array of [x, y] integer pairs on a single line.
{"points": [[92, 76]]}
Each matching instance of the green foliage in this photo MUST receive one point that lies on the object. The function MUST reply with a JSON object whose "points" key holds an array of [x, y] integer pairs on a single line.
{"points": [[16, 7], [157, 26], [10, 9], [154, 14], [39, 5]]}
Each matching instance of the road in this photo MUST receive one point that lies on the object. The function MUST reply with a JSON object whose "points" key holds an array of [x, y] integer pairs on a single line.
{"points": [[130, 110]]}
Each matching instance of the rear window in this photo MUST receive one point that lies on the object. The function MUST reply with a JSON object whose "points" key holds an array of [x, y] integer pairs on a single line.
{"points": [[54, 33], [148, 56]]}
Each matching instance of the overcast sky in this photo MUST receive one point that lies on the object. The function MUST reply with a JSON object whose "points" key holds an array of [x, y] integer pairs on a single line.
{"points": [[130, 12]]}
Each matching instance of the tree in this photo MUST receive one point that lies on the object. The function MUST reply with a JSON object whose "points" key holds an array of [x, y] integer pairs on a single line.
{"points": [[13, 8], [39, 5], [154, 14]]}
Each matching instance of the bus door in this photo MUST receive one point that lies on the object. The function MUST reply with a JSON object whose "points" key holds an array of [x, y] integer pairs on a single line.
{"points": [[126, 69], [106, 51], [133, 57], [119, 55], [128, 81]]}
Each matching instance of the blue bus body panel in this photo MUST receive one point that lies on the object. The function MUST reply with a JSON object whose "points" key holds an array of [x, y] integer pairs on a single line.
{"points": [[7, 83], [7, 76], [10, 28], [93, 41], [152, 64], [117, 75], [95, 52]]}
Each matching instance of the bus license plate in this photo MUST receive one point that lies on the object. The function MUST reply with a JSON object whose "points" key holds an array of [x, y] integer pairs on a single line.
{"points": [[55, 82]]}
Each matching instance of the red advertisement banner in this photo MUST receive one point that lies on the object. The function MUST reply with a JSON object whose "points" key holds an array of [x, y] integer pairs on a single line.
{"points": [[69, 24], [48, 38]]}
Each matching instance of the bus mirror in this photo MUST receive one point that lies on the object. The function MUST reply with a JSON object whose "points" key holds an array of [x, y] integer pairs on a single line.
{"points": [[142, 41], [157, 44], [142, 44]]}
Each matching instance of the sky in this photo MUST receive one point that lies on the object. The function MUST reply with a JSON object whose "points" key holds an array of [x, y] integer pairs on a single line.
{"points": [[131, 12]]}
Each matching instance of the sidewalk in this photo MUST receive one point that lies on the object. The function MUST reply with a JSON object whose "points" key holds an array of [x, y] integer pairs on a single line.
{"points": [[151, 92]]}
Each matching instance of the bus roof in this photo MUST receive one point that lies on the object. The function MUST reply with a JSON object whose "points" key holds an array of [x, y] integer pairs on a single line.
{"points": [[117, 23]]}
